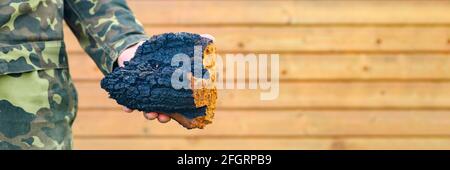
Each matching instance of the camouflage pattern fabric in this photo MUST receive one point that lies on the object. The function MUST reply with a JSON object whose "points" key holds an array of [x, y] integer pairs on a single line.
{"points": [[38, 101]]}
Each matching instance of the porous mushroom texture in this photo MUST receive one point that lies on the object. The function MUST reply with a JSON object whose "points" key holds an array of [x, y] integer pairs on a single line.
{"points": [[144, 83]]}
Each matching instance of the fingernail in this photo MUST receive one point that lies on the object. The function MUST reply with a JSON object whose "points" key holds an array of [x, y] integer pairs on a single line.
{"points": [[125, 109]]}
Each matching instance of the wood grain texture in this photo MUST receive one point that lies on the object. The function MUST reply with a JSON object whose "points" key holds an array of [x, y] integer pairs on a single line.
{"points": [[264, 143], [317, 95], [314, 39], [304, 67], [250, 12], [270, 123]]}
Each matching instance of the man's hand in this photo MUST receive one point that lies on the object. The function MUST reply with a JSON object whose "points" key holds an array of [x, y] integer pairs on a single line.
{"points": [[127, 55]]}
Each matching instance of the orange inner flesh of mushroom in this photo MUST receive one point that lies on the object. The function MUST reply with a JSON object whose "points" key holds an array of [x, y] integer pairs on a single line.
{"points": [[204, 90]]}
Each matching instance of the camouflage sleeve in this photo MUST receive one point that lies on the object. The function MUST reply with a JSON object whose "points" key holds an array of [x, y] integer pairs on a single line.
{"points": [[104, 28]]}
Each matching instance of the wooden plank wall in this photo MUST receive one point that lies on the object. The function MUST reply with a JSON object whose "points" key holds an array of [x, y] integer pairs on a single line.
{"points": [[354, 75]]}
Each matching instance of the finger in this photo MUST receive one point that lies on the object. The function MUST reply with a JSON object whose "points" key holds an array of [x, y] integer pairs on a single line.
{"points": [[125, 56], [163, 118], [126, 109], [185, 122], [128, 54], [208, 36], [151, 115]]}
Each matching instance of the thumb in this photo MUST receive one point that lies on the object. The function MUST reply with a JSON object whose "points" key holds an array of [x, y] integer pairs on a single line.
{"points": [[128, 54]]}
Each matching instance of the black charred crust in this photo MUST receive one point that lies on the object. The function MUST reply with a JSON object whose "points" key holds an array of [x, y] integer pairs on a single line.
{"points": [[144, 83]]}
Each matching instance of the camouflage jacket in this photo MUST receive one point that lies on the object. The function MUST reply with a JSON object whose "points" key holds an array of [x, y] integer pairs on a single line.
{"points": [[37, 98], [31, 32]]}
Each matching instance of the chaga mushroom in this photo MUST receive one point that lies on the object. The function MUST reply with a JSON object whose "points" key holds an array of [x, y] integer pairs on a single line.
{"points": [[146, 82]]}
